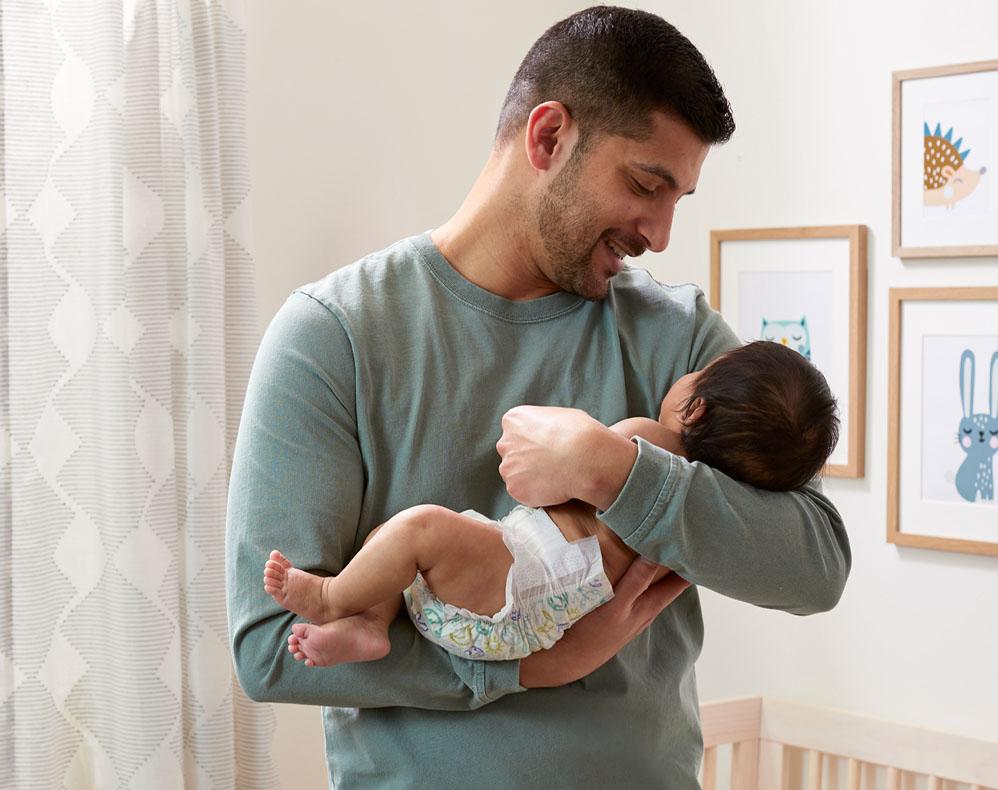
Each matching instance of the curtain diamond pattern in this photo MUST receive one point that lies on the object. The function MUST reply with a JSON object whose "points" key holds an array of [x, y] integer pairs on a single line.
{"points": [[126, 335]]}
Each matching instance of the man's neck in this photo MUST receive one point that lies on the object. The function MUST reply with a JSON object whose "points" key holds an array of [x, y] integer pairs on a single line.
{"points": [[488, 240]]}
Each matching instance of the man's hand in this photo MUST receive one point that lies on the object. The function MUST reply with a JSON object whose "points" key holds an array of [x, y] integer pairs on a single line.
{"points": [[599, 636], [552, 454]]}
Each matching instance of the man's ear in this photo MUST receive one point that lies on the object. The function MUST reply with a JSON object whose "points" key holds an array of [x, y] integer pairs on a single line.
{"points": [[550, 136]]}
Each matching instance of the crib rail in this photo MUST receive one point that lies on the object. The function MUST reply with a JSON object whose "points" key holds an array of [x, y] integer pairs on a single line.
{"points": [[781, 745]]}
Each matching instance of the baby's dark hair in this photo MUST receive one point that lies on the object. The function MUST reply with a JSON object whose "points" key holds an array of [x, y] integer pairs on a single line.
{"points": [[769, 418]]}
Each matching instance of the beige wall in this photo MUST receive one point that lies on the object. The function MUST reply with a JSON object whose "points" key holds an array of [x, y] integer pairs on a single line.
{"points": [[369, 121]]}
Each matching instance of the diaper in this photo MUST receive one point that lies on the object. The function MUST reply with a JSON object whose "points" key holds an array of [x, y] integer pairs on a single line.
{"points": [[551, 584]]}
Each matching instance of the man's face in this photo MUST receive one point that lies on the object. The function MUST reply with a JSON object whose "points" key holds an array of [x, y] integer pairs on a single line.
{"points": [[615, 200]]}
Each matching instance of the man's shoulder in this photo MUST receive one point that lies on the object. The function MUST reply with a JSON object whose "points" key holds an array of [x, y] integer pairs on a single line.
{"points": [[376, 278], [635, 290]]}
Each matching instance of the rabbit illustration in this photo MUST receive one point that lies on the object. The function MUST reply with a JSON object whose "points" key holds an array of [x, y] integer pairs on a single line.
{"points": [[978, 434]]}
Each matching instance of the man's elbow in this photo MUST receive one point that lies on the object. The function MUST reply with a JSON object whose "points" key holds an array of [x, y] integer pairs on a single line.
{"points": [[253, 687], [831, 561], [825, 590], [829, 594], [253, 675]]}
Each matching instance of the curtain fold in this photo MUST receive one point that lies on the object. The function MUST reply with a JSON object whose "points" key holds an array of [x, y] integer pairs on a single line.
{"points": [[126, 336]]}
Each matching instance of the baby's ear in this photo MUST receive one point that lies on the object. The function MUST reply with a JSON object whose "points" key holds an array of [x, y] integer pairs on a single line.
{"points": [[699, 407]]}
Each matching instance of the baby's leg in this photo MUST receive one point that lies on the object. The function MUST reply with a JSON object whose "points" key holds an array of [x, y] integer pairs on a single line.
{"points": [[359, 637], [464, 561], [385, 565]]}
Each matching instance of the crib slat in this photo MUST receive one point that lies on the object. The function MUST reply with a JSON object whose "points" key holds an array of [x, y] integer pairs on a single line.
{"points": [[745, 765], [893, 778], [710, 768], [774, 766], [814, 770], [853, 778], [831, 769], [871, 775], [935, 783]]}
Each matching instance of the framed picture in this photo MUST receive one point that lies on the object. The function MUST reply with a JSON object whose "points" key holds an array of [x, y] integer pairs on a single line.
{"points": [[804, 287], [946, 161], [943, 422]]}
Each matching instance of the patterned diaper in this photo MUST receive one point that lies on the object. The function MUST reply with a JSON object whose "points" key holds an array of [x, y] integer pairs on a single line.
{"points": [[550, 585]]}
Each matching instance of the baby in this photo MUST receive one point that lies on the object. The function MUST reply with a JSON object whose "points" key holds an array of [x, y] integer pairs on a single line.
{"points": [[501, 590]]}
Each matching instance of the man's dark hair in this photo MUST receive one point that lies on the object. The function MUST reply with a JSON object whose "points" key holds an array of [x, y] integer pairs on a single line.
{"points": [[769, 418], [611, 67]]}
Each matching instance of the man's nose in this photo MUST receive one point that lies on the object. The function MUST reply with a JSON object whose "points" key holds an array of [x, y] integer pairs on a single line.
{"points": [[657, 227]]}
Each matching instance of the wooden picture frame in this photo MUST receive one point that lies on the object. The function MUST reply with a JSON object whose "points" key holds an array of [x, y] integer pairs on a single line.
{"points": [[942, 116], [836, 253], [934, 320]]}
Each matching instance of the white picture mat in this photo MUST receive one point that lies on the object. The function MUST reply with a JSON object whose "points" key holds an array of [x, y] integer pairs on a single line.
{"points": [[978, 225], [796, 257], [975, 322]]}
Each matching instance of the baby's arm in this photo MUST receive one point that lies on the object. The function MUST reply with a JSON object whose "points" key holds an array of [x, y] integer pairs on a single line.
{"points": [[650, 430]]}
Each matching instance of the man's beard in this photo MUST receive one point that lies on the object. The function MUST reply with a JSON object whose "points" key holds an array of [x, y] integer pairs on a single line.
{"points": [[566, 217]]}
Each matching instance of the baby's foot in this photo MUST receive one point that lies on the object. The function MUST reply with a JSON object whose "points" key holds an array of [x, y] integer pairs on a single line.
{"points": [[296, 590], [360, 637]]}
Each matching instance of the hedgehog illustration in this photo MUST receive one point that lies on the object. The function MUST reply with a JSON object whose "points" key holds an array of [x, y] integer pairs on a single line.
{"points": [[947, 179]]}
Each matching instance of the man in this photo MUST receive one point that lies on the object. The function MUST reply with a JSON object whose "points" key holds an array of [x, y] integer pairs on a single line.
{"points": [[384, 385]]}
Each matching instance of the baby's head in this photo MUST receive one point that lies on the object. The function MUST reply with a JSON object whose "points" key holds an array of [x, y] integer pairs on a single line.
{"points": [[761, 413]]}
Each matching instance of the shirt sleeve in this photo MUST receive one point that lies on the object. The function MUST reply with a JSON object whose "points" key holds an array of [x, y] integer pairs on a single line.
{"points": [[786, 550], [297, 485]]}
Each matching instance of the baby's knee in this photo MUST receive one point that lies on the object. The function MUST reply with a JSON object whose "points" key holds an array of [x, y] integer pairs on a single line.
{"points": [[408, 524], [424, 514], [422, 528], [415, 522]]}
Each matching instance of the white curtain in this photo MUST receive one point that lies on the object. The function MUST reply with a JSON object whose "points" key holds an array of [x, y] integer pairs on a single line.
{"points": [[126, 333]]}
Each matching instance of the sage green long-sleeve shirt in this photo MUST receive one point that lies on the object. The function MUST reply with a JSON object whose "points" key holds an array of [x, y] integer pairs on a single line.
{"points": [[381, 387]]}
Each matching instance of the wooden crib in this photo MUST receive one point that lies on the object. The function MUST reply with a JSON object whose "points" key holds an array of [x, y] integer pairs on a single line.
{"points": [[772, 744]]}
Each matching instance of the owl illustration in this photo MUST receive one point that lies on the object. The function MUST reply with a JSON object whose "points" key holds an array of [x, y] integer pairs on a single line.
{"points": [[790, 333]]}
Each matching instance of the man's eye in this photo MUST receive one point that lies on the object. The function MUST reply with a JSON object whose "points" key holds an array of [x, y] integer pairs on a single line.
{"points": [[641, 190]]}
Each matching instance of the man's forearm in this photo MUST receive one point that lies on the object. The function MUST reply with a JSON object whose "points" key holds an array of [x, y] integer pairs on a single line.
{"points": [[605, 463], [414, 674], [785, 550]]}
